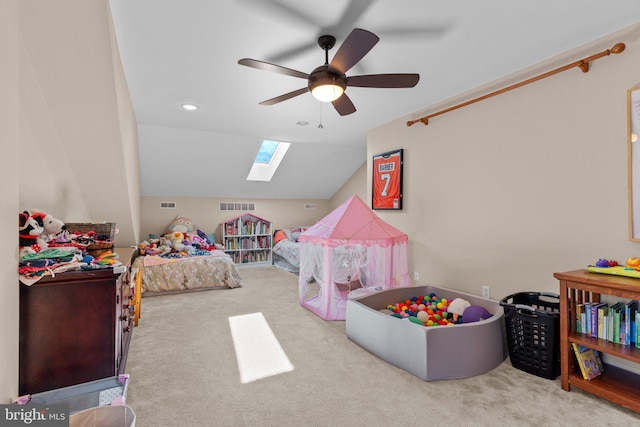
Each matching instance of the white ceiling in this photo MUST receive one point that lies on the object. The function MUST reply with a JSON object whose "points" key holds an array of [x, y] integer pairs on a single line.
{"points": [[186, 51]]}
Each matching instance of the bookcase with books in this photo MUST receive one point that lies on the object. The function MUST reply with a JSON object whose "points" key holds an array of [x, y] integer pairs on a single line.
{"points": [[247, 239], [592, 329]]}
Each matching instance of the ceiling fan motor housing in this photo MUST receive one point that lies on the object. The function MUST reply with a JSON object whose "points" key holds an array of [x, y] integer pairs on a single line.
{"points": [[325, 75]]}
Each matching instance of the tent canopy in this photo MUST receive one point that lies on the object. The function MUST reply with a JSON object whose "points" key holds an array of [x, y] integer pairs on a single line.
{"points": [[353, 221]]}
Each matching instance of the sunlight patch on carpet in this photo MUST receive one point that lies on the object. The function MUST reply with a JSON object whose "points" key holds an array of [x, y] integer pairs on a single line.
{"points": [[258, 351]]}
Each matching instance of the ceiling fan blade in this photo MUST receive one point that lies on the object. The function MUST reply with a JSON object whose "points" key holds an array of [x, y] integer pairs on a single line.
{"points": [[355, 9], [384, 80], [292, 52], [430, 31], [285, 96], [357, 44], [261, 65], [343, 105], [279, 12]]}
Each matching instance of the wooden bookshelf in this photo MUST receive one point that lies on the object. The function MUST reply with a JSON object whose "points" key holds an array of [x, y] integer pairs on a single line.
{"points": [[247, 239], [614, 384]]}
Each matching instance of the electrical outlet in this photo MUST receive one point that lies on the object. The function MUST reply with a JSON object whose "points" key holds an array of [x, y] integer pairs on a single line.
{"points": [[416, 276], [486, 291]]}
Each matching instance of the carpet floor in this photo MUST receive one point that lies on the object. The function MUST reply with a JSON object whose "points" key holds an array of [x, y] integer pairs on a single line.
{"points": [[184, 372]]}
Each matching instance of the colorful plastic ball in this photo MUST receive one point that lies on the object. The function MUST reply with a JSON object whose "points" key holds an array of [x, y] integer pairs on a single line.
{"points": [[423, 316]]}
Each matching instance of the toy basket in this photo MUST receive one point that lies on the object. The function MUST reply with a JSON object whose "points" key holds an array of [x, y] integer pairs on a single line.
{"points": [[103, 230], [532, 326]]}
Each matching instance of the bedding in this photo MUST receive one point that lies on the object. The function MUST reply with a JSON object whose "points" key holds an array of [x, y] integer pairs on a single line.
{"points": [[286, 250], [286, 255], [184, 259], [213, 271]]}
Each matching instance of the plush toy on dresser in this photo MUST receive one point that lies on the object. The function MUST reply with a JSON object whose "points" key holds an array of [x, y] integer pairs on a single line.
{"points": [[36, 230], [52, 227], [28, 232]]}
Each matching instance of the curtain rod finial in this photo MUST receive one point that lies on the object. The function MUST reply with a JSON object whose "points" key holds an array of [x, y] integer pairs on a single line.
{"points": [[618, 48]]}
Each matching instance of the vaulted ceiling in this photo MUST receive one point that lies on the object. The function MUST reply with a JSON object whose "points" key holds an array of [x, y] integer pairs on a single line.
{"points": [[187, 51]]}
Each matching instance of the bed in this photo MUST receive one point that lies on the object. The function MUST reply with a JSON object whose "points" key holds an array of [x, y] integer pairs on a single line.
{"points": [[213, 271], [184, 259], [286, 249]]}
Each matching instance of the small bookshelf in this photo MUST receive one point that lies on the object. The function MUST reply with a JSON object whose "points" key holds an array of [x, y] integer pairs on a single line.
{"points": [[578, 288], [247, 239]]}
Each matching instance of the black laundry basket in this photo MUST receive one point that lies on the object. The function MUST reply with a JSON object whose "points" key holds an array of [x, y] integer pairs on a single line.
{"points": [[532, 324]]}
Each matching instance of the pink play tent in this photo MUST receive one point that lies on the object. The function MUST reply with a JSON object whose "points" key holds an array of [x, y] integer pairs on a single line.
{"points": [[350, 251]]}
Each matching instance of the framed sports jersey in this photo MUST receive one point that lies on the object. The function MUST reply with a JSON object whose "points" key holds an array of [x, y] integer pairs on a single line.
{"points": [[387, 180]]}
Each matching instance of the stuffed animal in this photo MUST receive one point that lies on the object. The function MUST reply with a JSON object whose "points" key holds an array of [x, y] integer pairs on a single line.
{"points": [[475, 313], [182, 224], [176, 238], [457, 308], [29, 229], [52, 227]]}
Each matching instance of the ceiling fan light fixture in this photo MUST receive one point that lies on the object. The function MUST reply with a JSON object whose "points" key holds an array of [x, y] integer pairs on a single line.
{"points": [[327, 92], [326, 85]]}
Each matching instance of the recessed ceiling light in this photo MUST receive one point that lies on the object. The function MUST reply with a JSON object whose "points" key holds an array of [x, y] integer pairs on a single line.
{"points": [[302, 123], [190, 107]]}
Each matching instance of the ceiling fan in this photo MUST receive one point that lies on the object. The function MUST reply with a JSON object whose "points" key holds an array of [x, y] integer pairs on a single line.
{"points": [[328, 82]]}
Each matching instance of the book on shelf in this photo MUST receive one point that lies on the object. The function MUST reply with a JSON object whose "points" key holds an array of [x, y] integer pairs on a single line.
{"points": [[603, 310], [589, 361], [586, 326], [637, 328], [579, 317], [616, 316], [630, 309], [592, 318]]}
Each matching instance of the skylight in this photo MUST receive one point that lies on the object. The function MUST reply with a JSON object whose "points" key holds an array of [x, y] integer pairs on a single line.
{"points": [[267, 160], [266, 151]]}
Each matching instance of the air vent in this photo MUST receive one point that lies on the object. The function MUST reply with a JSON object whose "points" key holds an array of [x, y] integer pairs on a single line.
{"points": [[167, 205], [241, 207], [310, 206]]}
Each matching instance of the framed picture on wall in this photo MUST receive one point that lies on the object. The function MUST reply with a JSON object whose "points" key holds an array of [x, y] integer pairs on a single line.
{"points": [[387, 180], [633, 149]]}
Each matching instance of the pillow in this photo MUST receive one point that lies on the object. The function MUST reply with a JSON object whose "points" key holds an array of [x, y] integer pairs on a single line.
{"points": [[280, 235], [182, 224]]}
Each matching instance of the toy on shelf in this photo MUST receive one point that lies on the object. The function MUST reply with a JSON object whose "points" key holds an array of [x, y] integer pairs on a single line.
{"points": [[631, 267]]}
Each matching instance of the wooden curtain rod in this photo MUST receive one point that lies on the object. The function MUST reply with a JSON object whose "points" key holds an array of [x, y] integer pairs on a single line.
{"points": [[583, 64]]}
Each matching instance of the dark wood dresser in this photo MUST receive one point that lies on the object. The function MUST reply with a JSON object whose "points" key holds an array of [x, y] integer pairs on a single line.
{"points": [[74, 328]]}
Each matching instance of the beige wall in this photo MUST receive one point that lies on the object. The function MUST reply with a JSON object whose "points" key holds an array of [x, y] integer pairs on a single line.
{"points": [[508, 191], [356, 185], [69, 141], [77, 127], [9, 135], [205, 214]]}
